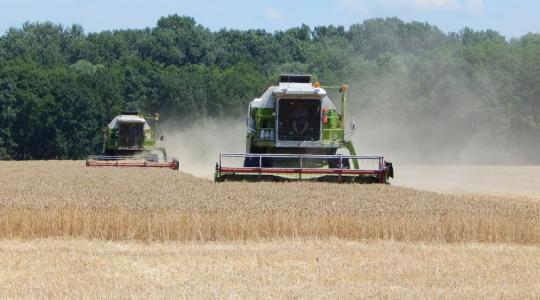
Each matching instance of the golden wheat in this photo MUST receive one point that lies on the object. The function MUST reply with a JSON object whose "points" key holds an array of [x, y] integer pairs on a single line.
{"points": [[282, 269], [64, 198]]}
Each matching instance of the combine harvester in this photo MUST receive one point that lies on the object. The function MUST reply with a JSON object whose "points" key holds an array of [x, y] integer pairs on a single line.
{"points": [[130, 141], [294, 133]]}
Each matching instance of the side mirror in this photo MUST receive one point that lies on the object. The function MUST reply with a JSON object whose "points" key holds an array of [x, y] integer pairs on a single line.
{"points": [[161, 138], [353, 125]]}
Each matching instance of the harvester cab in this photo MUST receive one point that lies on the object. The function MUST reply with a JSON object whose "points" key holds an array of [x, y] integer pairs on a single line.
{"points": [[294, 132], [131, 140]]}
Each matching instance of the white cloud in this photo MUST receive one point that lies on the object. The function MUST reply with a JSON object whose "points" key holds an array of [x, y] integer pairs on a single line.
{"points": [[353, 6], [273, 14], [474, 7]]}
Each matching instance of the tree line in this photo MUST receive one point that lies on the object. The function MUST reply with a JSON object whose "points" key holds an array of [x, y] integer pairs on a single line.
{"points": [[59, 86]]}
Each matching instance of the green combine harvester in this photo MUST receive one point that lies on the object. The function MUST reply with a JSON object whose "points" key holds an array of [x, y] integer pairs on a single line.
{"points": [[131, 141], [294, 132]]}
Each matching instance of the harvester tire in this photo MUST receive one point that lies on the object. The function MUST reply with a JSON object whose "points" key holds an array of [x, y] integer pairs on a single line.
{"points": [[390, 169]]}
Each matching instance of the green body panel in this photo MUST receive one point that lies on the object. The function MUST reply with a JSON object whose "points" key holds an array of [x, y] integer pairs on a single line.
{"points": [[333, 120], [349, 146], [332, 132], [333, 136], [149, 138], [111, 140], [265, 117], [265, 121]]}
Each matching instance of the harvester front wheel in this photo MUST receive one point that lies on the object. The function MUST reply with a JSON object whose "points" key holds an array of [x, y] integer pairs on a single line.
{"points": [[176, 165], [389, 169]]}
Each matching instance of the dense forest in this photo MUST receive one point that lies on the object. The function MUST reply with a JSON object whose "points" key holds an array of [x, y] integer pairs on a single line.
{"points": [[59, 86]]}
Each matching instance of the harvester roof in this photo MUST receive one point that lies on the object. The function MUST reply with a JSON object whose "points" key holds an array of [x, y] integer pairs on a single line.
{"points": [[132, 119], [294, 90]]}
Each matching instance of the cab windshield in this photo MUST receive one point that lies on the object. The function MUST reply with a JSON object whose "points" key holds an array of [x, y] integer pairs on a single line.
{"points": [[299, 119]]}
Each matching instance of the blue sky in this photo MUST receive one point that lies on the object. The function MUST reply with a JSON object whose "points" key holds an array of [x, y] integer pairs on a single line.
{"points": [[511, 18]]}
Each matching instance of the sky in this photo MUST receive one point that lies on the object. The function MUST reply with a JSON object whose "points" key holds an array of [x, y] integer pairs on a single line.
{"points": [[510, 18]]}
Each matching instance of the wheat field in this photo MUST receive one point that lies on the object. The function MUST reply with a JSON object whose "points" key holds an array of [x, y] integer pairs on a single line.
{"points": [[283, 269], [68, 231], [51, 199]]}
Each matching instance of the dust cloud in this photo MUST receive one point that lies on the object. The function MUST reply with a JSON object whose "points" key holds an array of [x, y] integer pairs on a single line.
{"points": [[457, 136], [448, 122], [197, 145]]}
